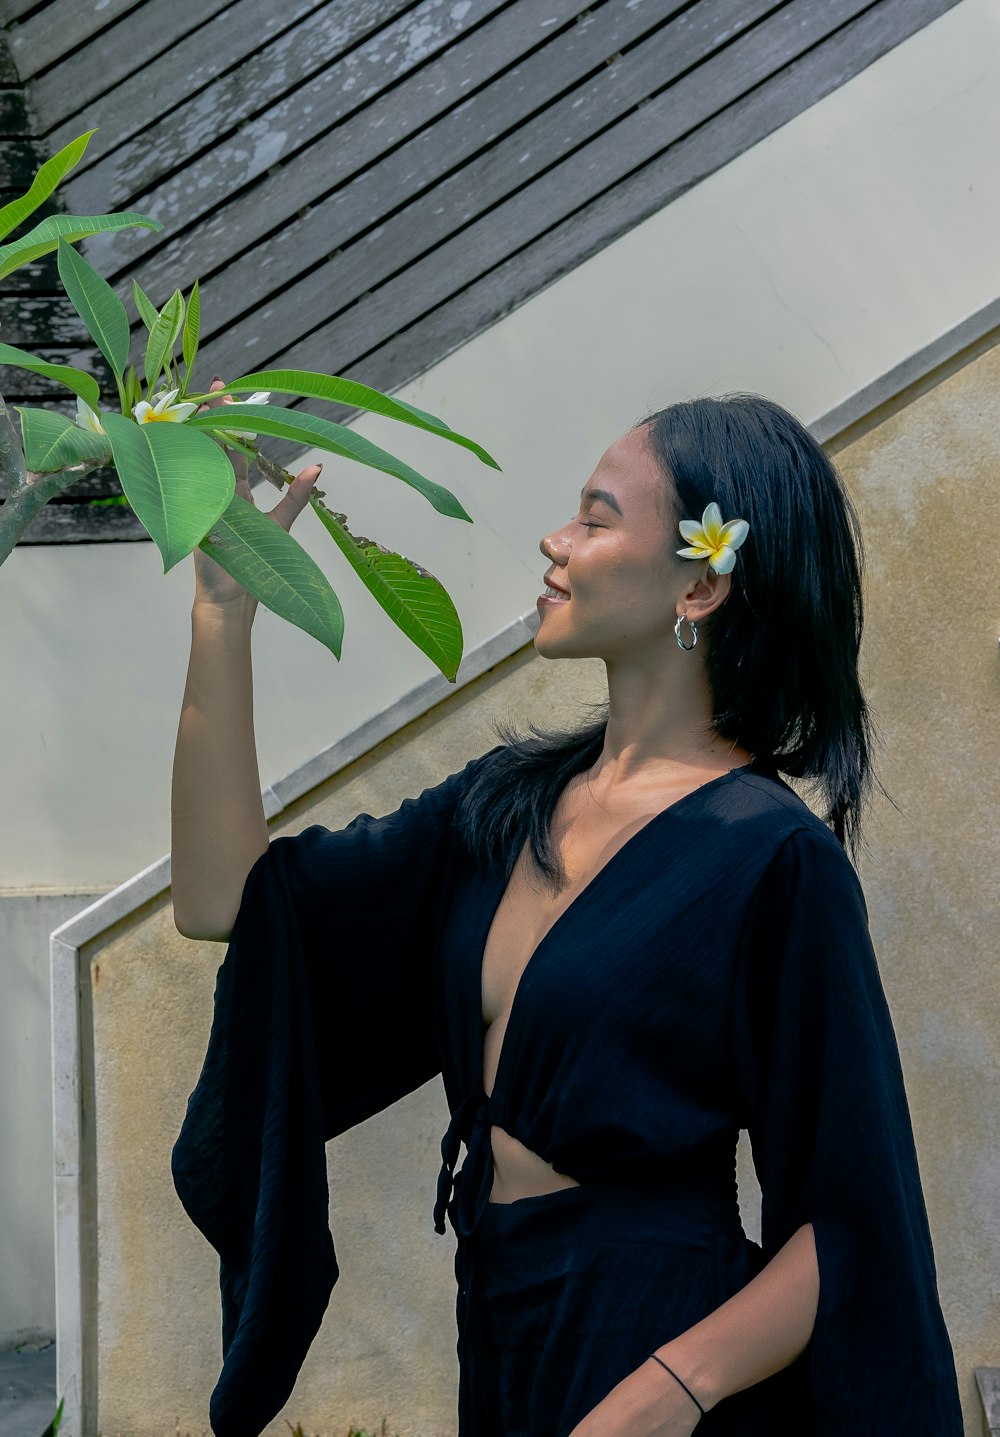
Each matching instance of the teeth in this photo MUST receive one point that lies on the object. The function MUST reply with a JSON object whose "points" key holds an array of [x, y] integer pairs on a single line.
{"points": [[551, 593]]}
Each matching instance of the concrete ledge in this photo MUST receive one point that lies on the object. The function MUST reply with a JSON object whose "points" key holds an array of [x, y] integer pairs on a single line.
{"points": [[988, 1382], [908, 380]]}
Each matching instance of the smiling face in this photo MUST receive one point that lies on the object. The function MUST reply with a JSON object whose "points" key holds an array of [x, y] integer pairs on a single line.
{"points": [[622, 583]]}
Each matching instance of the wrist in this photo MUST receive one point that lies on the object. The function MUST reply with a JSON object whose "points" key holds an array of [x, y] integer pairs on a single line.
{"points": [[238, 609], [693, 1380]]}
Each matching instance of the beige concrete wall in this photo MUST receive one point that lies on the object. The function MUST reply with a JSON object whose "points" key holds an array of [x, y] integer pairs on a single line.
{"points": [[925, 481]]}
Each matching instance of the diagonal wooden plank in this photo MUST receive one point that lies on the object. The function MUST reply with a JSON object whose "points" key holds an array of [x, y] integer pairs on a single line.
{"points": [[566, 186], [20, 159], [15, 121], [200, 58], [392, 180], [8, 70], [13, 10], [333, 98], [62, 523], [648, 190], [28, 320], [282, 263], [58, 29], [145, 32]]}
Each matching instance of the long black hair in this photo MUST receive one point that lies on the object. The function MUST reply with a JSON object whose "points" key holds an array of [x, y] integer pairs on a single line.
{"points": [[781, 652]]}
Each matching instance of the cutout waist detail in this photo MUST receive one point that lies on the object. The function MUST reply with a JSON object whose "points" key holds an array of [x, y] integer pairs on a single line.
{"points": [[519, 1173]]}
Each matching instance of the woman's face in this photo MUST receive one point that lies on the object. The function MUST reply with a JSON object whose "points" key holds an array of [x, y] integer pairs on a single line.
{"points": [[614, 562]]}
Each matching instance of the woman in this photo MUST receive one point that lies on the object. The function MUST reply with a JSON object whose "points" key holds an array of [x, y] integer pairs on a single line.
{"points": [[620, 946]]}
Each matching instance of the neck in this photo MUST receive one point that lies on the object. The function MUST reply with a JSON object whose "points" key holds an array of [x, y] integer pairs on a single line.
{"points": [[660, 722]]}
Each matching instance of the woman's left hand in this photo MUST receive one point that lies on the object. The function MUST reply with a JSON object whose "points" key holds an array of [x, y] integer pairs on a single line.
{"points": [[647, 1403]]}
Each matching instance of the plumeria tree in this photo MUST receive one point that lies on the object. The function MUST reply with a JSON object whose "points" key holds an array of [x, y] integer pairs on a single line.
{"points": [[170, 450]]}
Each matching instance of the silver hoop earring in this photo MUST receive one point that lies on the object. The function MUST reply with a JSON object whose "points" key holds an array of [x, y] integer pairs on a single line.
{"points": [[682, 619]]}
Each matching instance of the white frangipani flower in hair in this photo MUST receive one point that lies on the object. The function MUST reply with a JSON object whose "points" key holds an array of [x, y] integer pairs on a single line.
{"points": [[713, 540]]}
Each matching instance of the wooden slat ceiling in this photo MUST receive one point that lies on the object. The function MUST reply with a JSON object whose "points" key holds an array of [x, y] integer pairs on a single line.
{"points": [[363, 185]]}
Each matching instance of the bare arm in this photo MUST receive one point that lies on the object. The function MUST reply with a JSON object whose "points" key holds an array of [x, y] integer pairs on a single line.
{"points": [[218, 827], [757, 1332]]}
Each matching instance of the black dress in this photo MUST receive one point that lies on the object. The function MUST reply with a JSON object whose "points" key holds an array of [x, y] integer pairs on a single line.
{"points": [[716, 974]]}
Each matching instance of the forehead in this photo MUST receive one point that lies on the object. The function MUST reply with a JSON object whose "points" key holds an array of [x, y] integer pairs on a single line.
{"points": [[629, 470]]}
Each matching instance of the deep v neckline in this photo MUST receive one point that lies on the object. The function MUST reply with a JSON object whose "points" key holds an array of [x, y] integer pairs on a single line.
{"points": [[587, 889]]}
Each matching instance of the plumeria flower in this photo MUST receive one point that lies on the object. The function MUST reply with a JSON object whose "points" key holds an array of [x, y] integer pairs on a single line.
{"points": [[163, 408], [88, 418], [261, 396], [713, 540]]}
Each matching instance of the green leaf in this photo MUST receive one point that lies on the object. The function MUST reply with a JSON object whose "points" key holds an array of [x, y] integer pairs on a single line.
{"points": [[97, 305], [277, 570], [333, 438], [46, 180], [345, 391], [133, 389], [85, 385], [177, 482], [46, 235], [145, 308], [192, 329], [51, 441], [414, 600], [163, 337]]}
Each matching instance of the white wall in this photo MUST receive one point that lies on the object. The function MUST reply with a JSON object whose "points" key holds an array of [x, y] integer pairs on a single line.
{"points": [[805, 269]]}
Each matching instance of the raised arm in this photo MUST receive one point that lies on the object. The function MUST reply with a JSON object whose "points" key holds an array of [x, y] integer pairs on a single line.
{"points": [[218, 827]]}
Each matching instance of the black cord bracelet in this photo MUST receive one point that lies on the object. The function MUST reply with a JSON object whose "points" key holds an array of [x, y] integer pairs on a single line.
{"points": [[678, 1381]]}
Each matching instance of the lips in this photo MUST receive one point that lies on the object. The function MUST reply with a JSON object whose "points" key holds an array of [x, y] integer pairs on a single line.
{"points": [[558, 587]]}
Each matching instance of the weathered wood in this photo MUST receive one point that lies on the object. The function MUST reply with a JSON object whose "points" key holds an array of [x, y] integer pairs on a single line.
{"points": [[20, 160], [8, 70], [197, 124], [290, 125], [29, 320], [12, 10], [98, 484], [190, 64], [566, 186], [502, 169], [60, 523], [823, 69], [138, 38], [473, 126], [15, 121], [57, 29]]}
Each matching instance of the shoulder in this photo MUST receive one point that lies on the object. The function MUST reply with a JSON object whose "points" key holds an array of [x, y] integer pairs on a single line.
{"points": [[759, 804]]}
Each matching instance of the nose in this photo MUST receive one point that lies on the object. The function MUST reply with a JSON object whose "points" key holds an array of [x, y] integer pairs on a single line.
{"points": [[555, 547]]}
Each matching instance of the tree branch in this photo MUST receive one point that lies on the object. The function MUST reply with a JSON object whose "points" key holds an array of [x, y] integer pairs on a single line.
{"points": [[12, 465], [17, 512]]}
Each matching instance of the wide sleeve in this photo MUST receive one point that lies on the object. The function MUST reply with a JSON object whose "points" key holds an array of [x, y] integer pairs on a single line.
{"points": [[323, 1016], [829, 1126]]}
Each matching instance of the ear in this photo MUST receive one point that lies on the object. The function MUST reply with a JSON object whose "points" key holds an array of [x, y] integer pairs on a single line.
{"points": [[706, 592]]}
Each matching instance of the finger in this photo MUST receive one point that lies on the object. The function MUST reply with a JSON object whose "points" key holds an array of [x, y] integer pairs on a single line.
{"points": [[296, 497], [212, 403]]}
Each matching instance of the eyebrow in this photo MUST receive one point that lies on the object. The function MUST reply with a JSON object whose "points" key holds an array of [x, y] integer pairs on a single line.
{"points": [[605, 494]]}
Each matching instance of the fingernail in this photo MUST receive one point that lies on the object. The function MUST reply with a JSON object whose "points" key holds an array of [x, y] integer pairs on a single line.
{"points": [[216, 378]]}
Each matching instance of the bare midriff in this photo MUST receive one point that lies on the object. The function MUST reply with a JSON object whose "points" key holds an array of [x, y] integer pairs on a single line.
{"points": [[587, 834]]}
